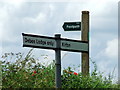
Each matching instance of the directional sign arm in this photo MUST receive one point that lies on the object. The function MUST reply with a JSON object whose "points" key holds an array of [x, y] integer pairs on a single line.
{"points": [[37, 41], [72, 26]]}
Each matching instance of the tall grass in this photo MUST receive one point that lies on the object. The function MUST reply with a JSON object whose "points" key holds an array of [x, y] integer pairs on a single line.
{"points": [[25, 72]]}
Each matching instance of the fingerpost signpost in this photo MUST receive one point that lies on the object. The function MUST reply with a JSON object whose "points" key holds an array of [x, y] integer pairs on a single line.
{"points": [[57, 44]]}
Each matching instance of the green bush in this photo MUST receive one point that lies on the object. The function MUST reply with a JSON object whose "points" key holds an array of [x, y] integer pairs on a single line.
{"points": [[26, 73]]}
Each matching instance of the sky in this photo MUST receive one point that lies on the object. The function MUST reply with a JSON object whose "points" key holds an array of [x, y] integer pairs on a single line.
{"points": [[46, 17]]}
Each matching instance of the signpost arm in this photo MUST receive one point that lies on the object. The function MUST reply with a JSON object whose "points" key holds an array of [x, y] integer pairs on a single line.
{"points": [[58, 61], [85, 37]]}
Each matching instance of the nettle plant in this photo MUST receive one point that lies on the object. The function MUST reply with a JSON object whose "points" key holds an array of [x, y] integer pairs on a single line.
{"points": [[25, 72]]}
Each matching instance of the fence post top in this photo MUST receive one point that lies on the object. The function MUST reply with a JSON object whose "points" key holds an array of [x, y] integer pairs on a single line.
{"points": [[85, 12], [57, 35]]}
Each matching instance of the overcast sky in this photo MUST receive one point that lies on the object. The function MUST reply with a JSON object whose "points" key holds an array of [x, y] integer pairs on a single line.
{"points": [[46, 18]]}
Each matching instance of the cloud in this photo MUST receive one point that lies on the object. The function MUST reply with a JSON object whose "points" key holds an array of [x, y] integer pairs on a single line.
{"points": [[105, 53], [108, 67], [7, 9], [3, 19], [41, 17], [112, 48], [4, 13], [46, 57], [1, 28], [14, 3]]}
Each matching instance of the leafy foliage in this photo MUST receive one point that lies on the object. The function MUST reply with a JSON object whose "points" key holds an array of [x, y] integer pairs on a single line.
{"points": [[26, 73]]}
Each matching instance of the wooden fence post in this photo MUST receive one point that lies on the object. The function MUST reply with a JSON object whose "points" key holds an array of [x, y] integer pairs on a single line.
{"points": [[85, 37]]}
